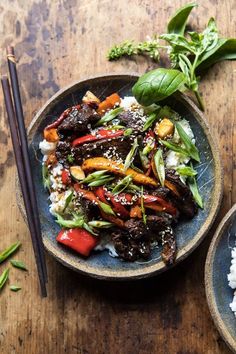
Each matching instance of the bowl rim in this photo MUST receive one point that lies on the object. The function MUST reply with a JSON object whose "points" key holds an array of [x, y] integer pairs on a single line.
{"points": [[219, 323], [159, 267]]}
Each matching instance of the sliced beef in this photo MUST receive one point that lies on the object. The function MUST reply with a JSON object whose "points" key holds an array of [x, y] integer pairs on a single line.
{"points": [[132, 119], [169, 248], [128, 248], [78, 120], [90, 210], [117, 147], [184, 202], [63, 149]]}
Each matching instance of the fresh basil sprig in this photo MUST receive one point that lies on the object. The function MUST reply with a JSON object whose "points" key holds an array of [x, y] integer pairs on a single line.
{"points": [[157, 84], [177, 23], [3, 278], [109, 116], [9, 251]]}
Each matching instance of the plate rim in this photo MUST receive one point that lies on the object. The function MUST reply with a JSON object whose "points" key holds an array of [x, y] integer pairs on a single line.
{"points": [[219, 323], [109, 274]]}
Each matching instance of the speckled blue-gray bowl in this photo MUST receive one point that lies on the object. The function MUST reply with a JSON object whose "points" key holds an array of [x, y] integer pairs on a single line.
{"points": [[219, 294], [189, 234]]}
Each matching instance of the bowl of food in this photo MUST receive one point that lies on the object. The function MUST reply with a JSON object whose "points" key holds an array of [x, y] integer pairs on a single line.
{"points": [[124, 191], [220, 278]]}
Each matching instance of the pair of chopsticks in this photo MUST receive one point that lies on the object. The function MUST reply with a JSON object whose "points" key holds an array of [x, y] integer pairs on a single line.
{"points": [[20, 147]]}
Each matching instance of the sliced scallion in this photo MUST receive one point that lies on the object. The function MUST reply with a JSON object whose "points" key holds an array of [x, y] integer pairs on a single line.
{"points": [[9, 251], [160, 167], [109, 116], [130, 157], [190, 147]]}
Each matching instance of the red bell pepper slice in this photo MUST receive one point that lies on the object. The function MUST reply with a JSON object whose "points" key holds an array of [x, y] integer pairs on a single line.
{"points": [[61, 117], [86, 194], [100, 134], [78, 239], [100, 193], [65, 177], [152, 200], [118, 208]]}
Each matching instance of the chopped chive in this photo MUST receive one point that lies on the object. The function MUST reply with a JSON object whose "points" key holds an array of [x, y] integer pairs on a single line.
{"points": [[175, 147], [190, 147], [109, 116], [160, 167], [150, 120], [106, 208], [131, 154], [122, 185]]}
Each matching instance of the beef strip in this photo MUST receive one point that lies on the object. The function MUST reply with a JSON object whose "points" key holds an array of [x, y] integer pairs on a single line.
{"points": [[63, 149], [169, 248], [132, 119], [118, 147], [185, 202], [78, 120]]}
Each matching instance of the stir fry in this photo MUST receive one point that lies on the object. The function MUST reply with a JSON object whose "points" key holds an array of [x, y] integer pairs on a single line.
{"points": [[120, 176]]}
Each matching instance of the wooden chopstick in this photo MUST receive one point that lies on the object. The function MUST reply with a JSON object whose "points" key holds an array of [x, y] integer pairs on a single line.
{"points": [[22, 177], [25, 153]]}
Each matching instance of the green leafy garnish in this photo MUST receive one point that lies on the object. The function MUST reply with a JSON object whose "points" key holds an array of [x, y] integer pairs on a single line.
{"points": [[194, 189], [70, 158], [15, 288], [190, 147], [4, 277], [177, 23], [157, 84], [112, 114], [89, 229], [128, 48], [45, 176], [18, 264], [151, 119], [142, 207], [122, 185], [130, 157], [9, 251], [100, 224], [186, 171], [106, 208], [160, 167], [175, 147]]}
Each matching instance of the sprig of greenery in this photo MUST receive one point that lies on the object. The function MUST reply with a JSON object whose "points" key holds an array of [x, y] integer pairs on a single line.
{"points": [[128, 48]]}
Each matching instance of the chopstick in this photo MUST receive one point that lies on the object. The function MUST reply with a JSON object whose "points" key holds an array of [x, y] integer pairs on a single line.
{"points": [[24, 145], [20, 147]]}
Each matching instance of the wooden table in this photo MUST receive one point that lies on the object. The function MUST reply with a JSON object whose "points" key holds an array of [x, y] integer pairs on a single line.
{"points": [[58, 42]]}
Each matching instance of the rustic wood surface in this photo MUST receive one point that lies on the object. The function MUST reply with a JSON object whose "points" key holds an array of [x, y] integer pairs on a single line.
{"points": [[57, 42]]}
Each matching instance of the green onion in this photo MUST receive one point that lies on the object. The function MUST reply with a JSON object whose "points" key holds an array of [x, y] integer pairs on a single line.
{"points": [[9, 251], [100, 224], [77, 221], [133, 187], [194, 189], [68, 200], [18, 264], [106, 208], [93, 176], [148, 148], [190, 147], [15, 288], [101, 181], [4, 277], [122, 185], [115, 127], [159, 164], [70, 158], [128, 132], [109, 116], [150, 120], [131, 154], [45, 176], [175, 147], [144, 160], [186, 171], [89, 229], [142, 207]]}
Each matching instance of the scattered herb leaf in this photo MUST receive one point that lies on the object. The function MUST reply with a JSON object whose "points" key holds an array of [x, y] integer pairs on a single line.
{"points": [[15, 288], [177, 23], [3, 278], [18, 264], [194, 189], [9, 251]]}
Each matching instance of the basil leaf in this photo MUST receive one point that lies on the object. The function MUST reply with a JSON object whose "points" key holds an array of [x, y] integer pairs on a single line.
{"points": [[9, 251], [194, 189], [15, 288], [151, 119], [45, 176], [225, 49], [157, 84], [68, 200], [18, 264], [122, 185], [175, 147], [4, 277], [177, 23], [159, 164], [109, 116], [106, 208], [100, 224], [130, 157], [190, 147], [186, 171]]}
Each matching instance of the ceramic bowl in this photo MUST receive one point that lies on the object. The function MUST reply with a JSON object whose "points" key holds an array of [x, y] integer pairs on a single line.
{"points": [[219, 294], [189, 233]]}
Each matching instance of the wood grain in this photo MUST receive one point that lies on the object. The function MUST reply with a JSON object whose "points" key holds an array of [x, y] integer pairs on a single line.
{"points": [[57, 42]]}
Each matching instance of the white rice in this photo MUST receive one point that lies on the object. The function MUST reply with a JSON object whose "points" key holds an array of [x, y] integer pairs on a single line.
{"points": [[46, 147], [128, 101], [232, 279]]}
